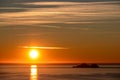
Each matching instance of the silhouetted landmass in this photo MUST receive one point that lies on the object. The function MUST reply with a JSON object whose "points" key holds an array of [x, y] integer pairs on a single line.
{"points": [[84, 65]]}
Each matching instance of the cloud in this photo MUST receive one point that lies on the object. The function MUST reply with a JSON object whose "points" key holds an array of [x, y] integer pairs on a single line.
{"points": [[59, 14], [41, 47]]}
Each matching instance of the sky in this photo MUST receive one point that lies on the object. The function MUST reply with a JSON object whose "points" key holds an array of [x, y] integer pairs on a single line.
{"points": [[63, 31]]}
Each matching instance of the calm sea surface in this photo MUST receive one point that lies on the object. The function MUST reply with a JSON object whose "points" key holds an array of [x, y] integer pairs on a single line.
{"points": [[58, 72]]}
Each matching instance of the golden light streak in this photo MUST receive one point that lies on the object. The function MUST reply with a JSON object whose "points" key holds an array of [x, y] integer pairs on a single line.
{"points": [[37, 47], [33, 73]]}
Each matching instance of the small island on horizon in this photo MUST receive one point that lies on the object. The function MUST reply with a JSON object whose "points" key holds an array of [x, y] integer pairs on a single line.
{"points": [[85, 65]]}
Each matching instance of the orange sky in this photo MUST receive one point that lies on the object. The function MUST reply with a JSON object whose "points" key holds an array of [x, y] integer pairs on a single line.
{"points": [[63, 32]]}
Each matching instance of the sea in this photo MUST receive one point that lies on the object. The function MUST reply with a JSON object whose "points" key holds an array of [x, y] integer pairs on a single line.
{"points": [[60, 12], [58, 72]]}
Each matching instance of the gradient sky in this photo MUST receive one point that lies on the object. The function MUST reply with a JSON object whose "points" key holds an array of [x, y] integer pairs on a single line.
{"points": [[83, 30]]}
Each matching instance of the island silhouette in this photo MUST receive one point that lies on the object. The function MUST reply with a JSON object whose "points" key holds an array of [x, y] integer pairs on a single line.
{"points": [[85, 65]]}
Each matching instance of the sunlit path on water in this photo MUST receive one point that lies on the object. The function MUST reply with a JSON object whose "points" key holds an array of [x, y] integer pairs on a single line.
{"points": [[34, 72]]}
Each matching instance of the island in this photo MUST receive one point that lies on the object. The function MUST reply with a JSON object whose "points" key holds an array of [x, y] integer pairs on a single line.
{"points": [[85, 65]]}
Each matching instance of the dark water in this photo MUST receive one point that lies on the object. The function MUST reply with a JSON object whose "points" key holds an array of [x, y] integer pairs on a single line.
{"points": [[57, 72]]}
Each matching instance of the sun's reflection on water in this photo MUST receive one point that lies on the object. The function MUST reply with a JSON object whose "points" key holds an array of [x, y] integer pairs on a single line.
{"points": [[34, 73]]}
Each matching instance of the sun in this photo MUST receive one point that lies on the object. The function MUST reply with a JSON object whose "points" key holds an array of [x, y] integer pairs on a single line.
{"points": [[34, 54]]}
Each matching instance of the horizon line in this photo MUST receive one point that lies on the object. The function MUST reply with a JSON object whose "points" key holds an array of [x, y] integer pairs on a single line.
{"points": [[109, 63]]}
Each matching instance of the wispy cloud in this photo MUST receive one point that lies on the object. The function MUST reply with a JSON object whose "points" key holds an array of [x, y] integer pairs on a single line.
{"points": [[41, 47], [59, 14]]}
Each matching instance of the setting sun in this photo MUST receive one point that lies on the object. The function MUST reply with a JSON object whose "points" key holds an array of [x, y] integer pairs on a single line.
{"points": [[34, 54]]}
